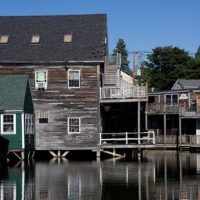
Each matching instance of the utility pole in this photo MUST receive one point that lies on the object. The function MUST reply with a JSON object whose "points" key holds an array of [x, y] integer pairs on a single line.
{"points": [[134, 67]]}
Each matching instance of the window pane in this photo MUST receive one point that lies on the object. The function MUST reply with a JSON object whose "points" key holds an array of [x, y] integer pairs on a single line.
{"points": [[8, 118], [175, 98], [168, 98], [8, 128], [74, 125], [41, 76], [74, 78]]}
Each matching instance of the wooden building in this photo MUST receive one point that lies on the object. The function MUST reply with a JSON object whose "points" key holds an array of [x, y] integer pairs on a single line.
{"points": [[174, 114], [78, 90], [17, 113], [63, 56]]}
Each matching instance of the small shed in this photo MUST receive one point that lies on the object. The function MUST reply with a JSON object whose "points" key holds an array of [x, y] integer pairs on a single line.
{"points": [[17, 114]]}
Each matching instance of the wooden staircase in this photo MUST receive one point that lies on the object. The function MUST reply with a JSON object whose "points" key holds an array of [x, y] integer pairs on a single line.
{"points": [[111, 76]]}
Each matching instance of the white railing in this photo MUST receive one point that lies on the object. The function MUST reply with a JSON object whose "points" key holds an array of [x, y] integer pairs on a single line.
{"points": [[127, 138], [123, 93]]}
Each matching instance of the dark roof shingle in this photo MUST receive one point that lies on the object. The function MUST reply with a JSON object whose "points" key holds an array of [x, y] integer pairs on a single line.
{"points": [[88, 43], [13, 92]]}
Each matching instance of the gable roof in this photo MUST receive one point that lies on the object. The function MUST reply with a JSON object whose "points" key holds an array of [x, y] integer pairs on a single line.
{"points": [[186, 84], [13, 92], [89, 33]]}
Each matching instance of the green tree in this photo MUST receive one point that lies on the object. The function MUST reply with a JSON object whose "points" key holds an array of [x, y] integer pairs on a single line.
{"points": [[164, 66], [197, 54], [121, 48]]}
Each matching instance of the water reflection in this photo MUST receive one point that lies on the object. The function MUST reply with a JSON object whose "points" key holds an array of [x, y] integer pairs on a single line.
{"points": [[159, 175]]}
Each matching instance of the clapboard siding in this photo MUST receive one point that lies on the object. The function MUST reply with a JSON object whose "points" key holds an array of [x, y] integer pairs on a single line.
{"points": [[61, 103]]}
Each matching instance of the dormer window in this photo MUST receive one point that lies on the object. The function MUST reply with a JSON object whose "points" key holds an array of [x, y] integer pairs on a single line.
{"points": [[3, 39], [35, 39], [41, 80], [68, 38]]}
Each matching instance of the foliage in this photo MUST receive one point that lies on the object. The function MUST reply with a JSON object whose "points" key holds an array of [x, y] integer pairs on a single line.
{"points": [[197, 54], [164, 66], [121, 48]]}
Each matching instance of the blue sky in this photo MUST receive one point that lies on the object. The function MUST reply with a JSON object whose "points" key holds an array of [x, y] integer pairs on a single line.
{"points": [[143, 24]]}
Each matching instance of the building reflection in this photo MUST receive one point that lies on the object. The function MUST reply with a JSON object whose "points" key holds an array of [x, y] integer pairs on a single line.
{"points": [[16, 182], [159, 175]]}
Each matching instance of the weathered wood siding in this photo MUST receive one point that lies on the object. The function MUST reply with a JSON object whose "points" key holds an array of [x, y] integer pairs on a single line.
{"points": [[61, 102]]}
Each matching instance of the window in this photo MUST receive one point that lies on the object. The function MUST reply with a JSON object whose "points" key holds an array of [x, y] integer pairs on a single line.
{"points": [[74, 78], [73, 125], [3, 39], [29, 124], [68, 38], [35, 39], [41, 79], [171, 98], [42, 116], [8, 123]]}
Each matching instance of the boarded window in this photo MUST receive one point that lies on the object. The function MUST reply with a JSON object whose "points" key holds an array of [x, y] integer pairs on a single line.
{"points": [[74, 78], [42, 116], [68, 38], [3, 39], [35, 39], [73, 125]]}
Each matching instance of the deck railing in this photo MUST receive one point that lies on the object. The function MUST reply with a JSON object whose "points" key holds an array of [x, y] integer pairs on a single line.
{"points": [[123, 93], [181, 140], [162, 108], [133, 138]]}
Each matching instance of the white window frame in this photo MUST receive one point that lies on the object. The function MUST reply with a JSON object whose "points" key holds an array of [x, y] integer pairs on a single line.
{"points": [[29, 124], [44, 83], [14, 125], [68, 125], [79, 78]]}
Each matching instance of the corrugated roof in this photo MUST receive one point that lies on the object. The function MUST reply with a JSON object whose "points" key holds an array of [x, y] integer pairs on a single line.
{"points": [[88, 38], [13, 92]]}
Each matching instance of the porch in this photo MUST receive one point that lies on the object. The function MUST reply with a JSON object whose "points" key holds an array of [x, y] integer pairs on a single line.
{"points": [[133, 93]]}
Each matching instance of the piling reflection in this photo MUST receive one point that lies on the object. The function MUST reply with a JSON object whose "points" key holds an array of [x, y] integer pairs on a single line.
{"points": [[159, 175]]}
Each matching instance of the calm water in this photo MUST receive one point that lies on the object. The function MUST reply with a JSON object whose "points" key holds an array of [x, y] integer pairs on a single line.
{"points": [[159, 175]]}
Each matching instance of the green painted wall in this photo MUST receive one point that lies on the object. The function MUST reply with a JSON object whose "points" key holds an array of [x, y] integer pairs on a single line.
{"points": [[28, 103], [15, 141], [14, 179]]}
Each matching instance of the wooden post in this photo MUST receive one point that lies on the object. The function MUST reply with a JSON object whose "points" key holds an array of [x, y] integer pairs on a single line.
{"points": [[134, 67], [126, 138], [138, 123], [165, 128], [180, 130], [146, 117]]}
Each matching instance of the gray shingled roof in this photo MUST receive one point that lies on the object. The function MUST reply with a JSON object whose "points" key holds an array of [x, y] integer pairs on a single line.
{"points": [[88, 43], [187, 84], [13, 92]]}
